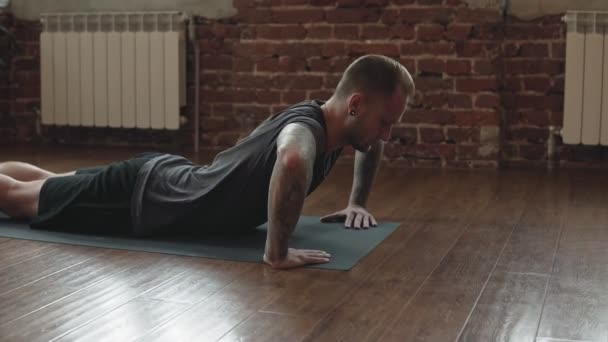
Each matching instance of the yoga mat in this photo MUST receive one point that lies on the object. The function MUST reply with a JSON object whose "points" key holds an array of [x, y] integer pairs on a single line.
{"points": [[346, 246]]}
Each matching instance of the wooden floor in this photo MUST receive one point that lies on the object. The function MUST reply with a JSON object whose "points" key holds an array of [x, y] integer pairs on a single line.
{"points": [[515, 255]]}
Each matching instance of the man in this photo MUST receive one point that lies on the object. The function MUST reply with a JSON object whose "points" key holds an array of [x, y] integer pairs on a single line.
{"points": [[265, 177]]}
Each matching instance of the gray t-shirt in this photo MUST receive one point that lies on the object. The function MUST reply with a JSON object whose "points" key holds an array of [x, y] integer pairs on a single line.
{"points": [[172, 194]]}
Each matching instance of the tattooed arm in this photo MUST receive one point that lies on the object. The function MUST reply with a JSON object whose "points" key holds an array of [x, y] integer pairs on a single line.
{"points": [[289, 183], [356, 215]]}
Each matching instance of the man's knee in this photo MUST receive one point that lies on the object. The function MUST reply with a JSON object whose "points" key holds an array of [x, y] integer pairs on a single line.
{"points": [[22, 199]]}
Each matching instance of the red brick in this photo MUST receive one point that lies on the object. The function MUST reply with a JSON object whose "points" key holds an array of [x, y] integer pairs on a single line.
{"points": [[484, 67], [550, 102], [462, 101], [300, 49], [293, 96], [436, 15], [404, 135], [243, 64], [458, 67], [532, 152], [475, 118], [539, 84], [353, 15], [320, 94], [295, 2], [390, 16], [252, 81], [375, 3], [553, 31], [334, 49], [430, 32], [418, 48], [435, 66], [434, 100], [534, 118], [280, 32], [259, 111], [477, 15], [487, 31], [298, 16], [254, 16], [553, 66], [217, 62], [458, 32], [431, 135], [476, 84], [558, 50], [298, 81], [331, 81], [349, 3], [487, 101], [346, 31], [249, 49], [403, 2], [268, 96], [529, 134], [513, 84], [558, 85], [534, 50], [319, 64], [319, 32], [217, 123], [409, 64], [357, 49], [476, 49], [341, 63], [374, 31], [429, 2], [433, 84], [322, 2], [439, 117], [459, 135], [402, 31]]}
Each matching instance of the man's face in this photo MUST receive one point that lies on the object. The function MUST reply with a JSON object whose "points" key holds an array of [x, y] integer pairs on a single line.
{"points": [[375, 118]]}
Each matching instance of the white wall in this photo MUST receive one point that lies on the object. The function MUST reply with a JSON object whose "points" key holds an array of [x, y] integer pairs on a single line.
{"points": [[31, 9], [213, 9]]}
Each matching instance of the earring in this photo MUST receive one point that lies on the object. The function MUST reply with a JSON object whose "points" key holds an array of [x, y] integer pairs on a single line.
{"points": [[352, 113]]}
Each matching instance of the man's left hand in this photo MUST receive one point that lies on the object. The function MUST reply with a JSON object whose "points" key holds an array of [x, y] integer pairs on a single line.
{"points": [[353, 216]]}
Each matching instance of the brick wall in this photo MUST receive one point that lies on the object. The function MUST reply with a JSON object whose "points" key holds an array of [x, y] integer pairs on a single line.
{"points": [[488, 88], [7, 125]]}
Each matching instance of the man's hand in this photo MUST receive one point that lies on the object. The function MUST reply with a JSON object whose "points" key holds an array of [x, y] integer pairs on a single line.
{"points": [[353, 216], [299, 257]]}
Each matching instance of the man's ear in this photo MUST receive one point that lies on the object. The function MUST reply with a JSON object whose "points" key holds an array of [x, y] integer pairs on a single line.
{"points": [[354, 102]]}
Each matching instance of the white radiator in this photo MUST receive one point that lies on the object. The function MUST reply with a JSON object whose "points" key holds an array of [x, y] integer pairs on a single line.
{"points": [[586, 80], [113, 69]]}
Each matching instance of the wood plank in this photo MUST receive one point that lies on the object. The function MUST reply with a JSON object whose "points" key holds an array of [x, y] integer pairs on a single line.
{"points": [[127, 322], [531, 247], [373, 303], [508, 310], [576, 306], [443, 303], [264, 326], [575, 309], [216, 315], [14, 251], [94, 289], [33, 269]]}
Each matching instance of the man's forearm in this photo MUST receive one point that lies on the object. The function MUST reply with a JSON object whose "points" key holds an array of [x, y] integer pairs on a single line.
{"points": [[285, 201], [366, 166]]}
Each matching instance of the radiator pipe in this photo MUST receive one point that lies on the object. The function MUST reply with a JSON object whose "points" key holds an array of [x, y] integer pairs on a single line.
{"points": [[551, 160], [196, 47]]}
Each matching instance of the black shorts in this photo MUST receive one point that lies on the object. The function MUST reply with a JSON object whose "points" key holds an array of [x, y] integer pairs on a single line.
{"points": [[94, 200]]}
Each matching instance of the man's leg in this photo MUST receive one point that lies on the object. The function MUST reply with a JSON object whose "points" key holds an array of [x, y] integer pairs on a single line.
{"points": [[25, 172], [19, 199]]}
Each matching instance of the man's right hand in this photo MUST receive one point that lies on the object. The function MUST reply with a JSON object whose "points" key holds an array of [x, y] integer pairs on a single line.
{"points": [[299, 257]]}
